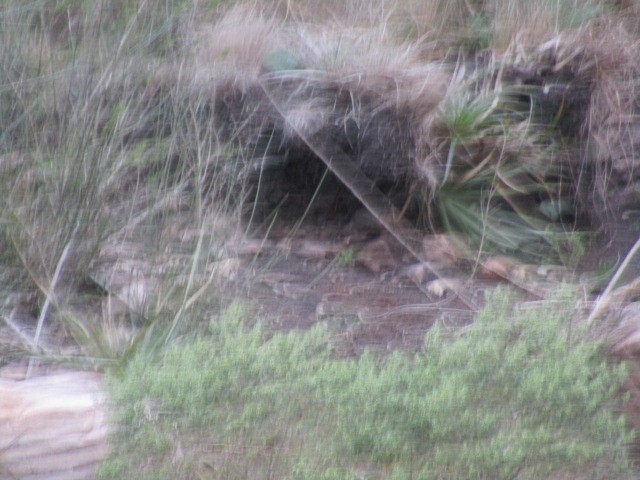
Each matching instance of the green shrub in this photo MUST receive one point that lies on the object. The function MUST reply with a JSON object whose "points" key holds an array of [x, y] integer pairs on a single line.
{"points": [[518, 393], [521, 393]]}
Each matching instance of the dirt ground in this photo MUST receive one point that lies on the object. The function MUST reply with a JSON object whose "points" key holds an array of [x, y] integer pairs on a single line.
{"points": [[369, 291], [349, 272]]}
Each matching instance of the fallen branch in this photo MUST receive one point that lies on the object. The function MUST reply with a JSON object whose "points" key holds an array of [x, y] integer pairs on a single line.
{"points": [[605, 299]]}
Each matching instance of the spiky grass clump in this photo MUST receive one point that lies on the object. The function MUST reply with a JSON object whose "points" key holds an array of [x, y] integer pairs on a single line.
{"points": [[499, 173], [98, 148]]}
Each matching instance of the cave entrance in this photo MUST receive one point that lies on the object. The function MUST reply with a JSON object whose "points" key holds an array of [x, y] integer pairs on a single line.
{"points": [[293, 186]]}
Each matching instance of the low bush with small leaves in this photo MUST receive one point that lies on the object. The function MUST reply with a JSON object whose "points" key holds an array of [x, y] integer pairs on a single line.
{"points": [[521, 393]]}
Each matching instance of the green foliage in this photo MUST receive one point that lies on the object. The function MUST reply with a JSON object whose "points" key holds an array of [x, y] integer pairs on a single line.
{"points": [[347, 257], [505, 397], [279, 60], [229, 385], [91, 131], [478, 37], [500, 179], [521, 392]]}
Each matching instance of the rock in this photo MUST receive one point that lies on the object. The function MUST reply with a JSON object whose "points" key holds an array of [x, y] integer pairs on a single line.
{"points": [[53, 427], [625, 337], [498, 267], [443, 249], [376, 256], [417, 272], [441, 286]]}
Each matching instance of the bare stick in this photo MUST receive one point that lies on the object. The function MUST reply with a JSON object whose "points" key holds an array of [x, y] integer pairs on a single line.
{"points": [[604, 299], [50, 299]]}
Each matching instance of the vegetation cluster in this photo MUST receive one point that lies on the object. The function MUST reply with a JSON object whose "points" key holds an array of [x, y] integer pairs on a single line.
{"points": [[522, 393], [175, 129]]}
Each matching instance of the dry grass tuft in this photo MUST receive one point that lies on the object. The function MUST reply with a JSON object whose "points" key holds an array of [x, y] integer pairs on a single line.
{"points": [[237, 44], [614, 117]]}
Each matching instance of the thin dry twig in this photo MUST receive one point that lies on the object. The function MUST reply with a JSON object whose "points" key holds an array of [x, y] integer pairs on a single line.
{"points": [[50, 298], [606, 297]]}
